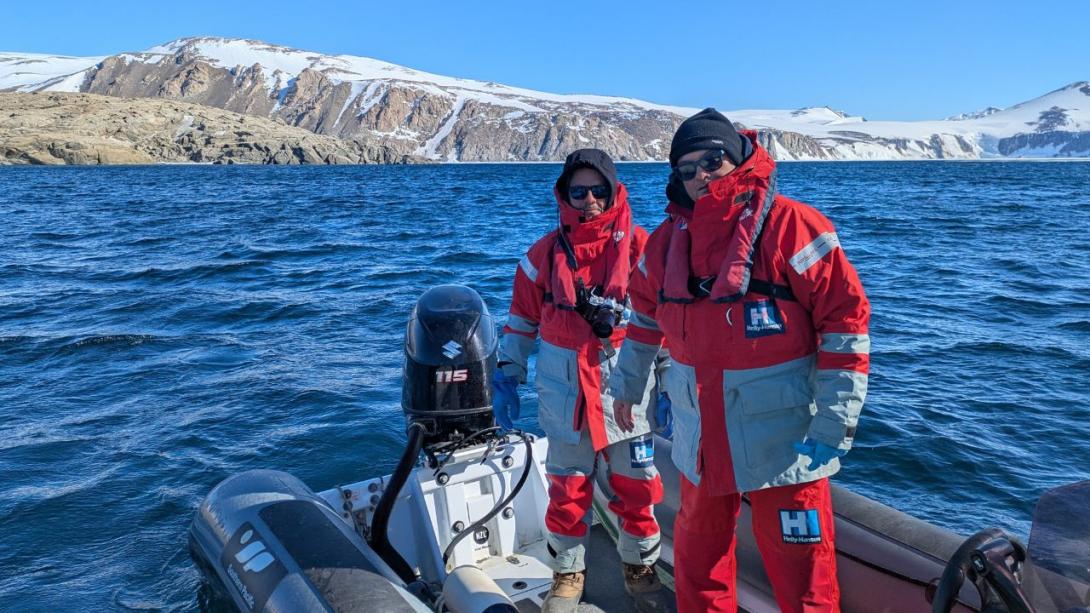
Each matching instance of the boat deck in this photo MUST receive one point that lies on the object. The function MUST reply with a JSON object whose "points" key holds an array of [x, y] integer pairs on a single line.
{"points": [[604, 592]]}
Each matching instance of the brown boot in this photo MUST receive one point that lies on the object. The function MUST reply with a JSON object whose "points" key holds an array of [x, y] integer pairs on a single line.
{"points": [[643, 585], [565, 593]]}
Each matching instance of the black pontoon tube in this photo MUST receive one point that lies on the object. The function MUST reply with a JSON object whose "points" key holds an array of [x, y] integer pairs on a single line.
{"points": [[380, 521]]}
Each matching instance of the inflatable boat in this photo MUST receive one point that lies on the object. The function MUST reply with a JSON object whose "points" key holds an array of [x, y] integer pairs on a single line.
{"points": [[459, 525]]}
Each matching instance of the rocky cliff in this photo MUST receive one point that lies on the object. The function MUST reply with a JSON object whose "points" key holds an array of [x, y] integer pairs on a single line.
{"points": [[438, 121], [61, 128]]}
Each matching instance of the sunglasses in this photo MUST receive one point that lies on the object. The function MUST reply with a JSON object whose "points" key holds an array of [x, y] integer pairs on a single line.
{"points": [[578, 192], [710, 162]]}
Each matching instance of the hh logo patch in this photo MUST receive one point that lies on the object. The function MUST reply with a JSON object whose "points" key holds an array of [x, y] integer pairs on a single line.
{"points": [[800, 527], [763, 318], [642, 452]]}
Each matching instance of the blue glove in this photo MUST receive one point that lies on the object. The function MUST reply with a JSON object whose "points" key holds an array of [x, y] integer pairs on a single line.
{"points": [[819, 453], [664, 416], [505, 399]]}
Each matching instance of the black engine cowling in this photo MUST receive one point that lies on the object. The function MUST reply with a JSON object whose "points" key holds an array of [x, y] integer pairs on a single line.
{"points": [[450, 355]]}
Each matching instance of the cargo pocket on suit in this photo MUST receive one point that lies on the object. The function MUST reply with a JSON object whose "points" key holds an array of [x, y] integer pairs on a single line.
{"points": [[776, 413], [557, 391], [680, 384]]}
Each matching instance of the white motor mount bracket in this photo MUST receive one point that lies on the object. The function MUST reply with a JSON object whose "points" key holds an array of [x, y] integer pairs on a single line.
{"points": [[436, 504]]}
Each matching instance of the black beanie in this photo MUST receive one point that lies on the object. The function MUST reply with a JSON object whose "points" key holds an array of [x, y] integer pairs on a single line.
{"points": [[588, 158], [708, 129]]}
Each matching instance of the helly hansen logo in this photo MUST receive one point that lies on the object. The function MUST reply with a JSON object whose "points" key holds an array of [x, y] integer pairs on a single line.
{"points": [[800, 527], [642, 452], [811, 254], [763, 318]]}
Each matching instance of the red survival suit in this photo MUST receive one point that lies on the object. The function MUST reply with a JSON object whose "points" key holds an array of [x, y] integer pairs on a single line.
{"points": [[571, 370], [766, 321]]}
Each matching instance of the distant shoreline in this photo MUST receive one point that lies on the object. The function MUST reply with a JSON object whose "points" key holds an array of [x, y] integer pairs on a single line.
{"points": [[543, 162], [989, 159]]}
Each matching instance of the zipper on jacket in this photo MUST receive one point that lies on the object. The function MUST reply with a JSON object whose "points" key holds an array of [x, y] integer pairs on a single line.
{"points": [[684, 326]]}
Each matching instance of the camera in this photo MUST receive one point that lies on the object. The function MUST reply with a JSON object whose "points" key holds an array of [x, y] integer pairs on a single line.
{"points": [[603, 314]]}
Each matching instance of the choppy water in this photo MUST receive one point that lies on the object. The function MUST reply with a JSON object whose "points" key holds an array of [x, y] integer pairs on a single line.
{"points": [[164, 327]]}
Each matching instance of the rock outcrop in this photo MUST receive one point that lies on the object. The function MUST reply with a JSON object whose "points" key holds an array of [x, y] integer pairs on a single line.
{"points": [[407, 117], [1050, 144], [61, 128]]}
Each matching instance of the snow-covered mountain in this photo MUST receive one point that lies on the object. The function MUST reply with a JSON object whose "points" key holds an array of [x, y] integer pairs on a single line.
{"points": [[445, 118], [1056, 124], [975, 114], [29, 72]]}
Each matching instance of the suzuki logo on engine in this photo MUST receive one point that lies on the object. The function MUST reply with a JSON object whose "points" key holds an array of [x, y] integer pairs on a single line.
{"points": [[452, 350], [451, 376]]}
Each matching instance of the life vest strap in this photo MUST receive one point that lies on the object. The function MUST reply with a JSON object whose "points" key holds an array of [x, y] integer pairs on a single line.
{"points": [[701, 287]]}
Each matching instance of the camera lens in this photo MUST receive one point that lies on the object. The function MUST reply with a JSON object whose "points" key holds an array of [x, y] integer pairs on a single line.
{"points": [[603, 324]]}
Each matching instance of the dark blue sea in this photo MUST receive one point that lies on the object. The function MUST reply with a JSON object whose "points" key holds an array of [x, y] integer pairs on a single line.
{"points": [[164, 327]]}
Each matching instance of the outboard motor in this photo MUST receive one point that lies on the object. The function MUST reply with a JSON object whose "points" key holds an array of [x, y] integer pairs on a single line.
{"points": [[450, 354], [277, 546]]}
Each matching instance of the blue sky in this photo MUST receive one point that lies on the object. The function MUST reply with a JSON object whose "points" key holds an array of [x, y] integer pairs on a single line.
{"points": [[882, 60]]}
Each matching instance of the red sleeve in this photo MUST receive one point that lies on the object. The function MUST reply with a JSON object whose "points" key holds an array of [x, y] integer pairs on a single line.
{"points": [[644, 297], [827, 285], [527, 296]]}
